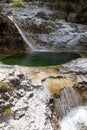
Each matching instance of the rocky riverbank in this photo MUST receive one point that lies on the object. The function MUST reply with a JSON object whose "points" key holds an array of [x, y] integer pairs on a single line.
{"points": [[38, 97], [45, 32]]}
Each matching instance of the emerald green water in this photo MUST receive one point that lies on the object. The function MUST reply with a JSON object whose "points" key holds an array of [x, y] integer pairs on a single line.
{"points": [[40, 59]]}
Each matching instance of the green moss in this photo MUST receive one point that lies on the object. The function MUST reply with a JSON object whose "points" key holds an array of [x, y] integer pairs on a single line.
{"points": [[8, 112]]}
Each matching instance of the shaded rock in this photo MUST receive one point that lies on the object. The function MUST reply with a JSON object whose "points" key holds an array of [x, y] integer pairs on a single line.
{"points": [[6, 96], [14, 81], [10, 39], [72, 17]]}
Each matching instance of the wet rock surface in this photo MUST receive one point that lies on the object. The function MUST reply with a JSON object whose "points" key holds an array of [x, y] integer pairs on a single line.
{"points": [[77, 94], [46, 33], [10, 39]]}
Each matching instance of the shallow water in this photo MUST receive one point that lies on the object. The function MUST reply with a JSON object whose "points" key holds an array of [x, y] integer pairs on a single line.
{"points": [[40, 58]]}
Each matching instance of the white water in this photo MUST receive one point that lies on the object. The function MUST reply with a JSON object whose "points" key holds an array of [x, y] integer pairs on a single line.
{"points": [[21, 33], [33, 49], [75, 120]]}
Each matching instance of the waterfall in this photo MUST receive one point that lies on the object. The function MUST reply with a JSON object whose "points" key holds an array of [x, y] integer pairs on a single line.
{"points": [[75, 120], [33, 49], [22, 34], [69, 99]]}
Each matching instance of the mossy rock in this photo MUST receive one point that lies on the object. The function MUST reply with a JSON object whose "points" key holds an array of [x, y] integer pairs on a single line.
{"points": [[6, 87]]}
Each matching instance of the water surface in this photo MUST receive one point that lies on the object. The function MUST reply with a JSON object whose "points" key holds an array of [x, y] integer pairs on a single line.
{"points": [[40, 58]]}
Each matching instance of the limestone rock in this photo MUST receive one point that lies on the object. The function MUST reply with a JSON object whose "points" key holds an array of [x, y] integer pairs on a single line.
{"points": [[78, 66], [28, 105]]}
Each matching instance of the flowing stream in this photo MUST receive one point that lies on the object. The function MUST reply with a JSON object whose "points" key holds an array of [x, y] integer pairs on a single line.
{"points": [[75, 120], [21, 33]]}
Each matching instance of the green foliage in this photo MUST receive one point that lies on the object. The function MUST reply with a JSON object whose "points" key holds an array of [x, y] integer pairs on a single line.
{"points": [[16, 3], [76, 6]]}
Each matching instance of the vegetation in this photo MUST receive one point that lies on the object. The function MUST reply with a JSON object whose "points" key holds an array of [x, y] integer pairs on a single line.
{"points": [[7, 112], [16, 3], [74, 6]]}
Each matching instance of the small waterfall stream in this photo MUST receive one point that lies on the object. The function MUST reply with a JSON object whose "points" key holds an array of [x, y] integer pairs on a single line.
{"points": [[22, 34], [75, 120], [33, 49], [69, 99], [72, 115]]}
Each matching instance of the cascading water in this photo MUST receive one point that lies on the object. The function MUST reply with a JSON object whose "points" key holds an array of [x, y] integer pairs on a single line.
{"points": [[70, 101], [69, 98], [21, 33], [75, 120], [33, 49]]}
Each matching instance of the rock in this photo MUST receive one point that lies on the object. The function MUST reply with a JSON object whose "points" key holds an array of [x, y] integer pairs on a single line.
{"points": [[6, 96], [14, 81], [68, 99], [20, 75], [10, 39], [29, 104], [78, 66], [72, 17], [50, 34]]}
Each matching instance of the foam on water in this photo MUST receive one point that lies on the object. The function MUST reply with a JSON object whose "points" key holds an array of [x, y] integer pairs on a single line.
{"points": [[75, 120]]}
